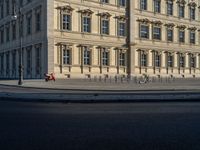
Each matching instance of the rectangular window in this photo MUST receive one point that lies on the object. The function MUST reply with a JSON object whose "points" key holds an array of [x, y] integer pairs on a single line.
{"points": [[157, 60], [144, 31], [87, 24], [14, 31], [66, 56], [14, 63], [170, 60], [169, 35], [192, 13], [192, 37], [181, 36], [105, 57], [182, 61], [122, 3], [29, 64], [66, 22], [7, 7], [2, 36], [86, 56], [143, 4], [181, 11], [156, 33], [192, 61], [2, 63], [38, 22], [157, 6], [105, 26], [122, 58], [7, 33], [1, 11], [169, 7], [29, 25], [105, 1], [121, 29], [7, 64], [38, 60], [143, 60]]}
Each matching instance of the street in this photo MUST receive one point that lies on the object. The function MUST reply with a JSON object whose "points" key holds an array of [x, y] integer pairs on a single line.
{"points": [[119, 126]]}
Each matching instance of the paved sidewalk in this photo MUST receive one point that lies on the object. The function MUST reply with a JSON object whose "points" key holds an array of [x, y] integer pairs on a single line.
{"points": [[99, 91], [90, 85]]}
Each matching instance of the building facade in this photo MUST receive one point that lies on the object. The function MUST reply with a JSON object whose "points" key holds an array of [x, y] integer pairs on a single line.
{"points": [[88, 38]]}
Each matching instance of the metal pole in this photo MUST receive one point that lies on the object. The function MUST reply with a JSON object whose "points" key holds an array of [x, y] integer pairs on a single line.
{"points": [[20, 82]]}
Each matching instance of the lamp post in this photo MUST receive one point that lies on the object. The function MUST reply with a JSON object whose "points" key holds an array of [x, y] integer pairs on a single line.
{"points": [[19, 17]]}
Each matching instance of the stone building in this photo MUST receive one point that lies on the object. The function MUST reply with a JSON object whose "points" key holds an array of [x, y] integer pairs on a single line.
{"points": [[87, 38], [164, 37]]}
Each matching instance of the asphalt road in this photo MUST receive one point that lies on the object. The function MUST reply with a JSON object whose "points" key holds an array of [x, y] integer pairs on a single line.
{"points": [[122, 126]]}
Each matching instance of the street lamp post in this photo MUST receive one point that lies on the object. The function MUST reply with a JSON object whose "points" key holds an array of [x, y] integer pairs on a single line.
{"points": [[19, 16]]}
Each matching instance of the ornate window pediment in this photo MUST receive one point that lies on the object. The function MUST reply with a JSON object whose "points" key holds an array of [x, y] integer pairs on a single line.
{"points": [[181, 2], [86, 12], [66, 9], [122, 18], [105, 15], [182, 27], [192, 28], [155, 22], [145, 21], [169, 25], [192, 4]]}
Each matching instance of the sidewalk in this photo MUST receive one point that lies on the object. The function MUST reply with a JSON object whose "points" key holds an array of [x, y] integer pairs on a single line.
{"points": [[96, 91]]}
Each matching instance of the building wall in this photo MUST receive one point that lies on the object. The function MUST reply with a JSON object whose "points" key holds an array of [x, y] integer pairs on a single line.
{"points": [[33, 42], [76, 39], [150, 45]]}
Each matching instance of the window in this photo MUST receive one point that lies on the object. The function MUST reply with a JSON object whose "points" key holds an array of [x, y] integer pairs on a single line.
{"points": [[169, 60], [7, 63], [13, 63], [192, 37], [7, 7], [169, 34], [2, 36], [66, 22], [105, 1], [143, 59], [157, 33], [29, 25], [192, 13], [169, 7], [144, 31], [192, 61], [2, 63], [1, 11], [28, 59], [122, 57], [157, 59], [38, 21], [105, 57], [14, 31], [7, 33], [157, 6], [86, 55], [143, 4], [181, 36], [121, 28], [104, 26], [86, 24], [122, 3], [181, 11], [66, 56], [38, 59], [182, 61]]}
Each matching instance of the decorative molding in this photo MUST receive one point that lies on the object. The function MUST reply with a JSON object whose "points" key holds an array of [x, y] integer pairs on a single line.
{"points": [[121, 18], [155, 22], [181, 2], [105, 15], [86, 12], [169, 25], [192, 28], [145, 21], [192, 4], [182, 27]]}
